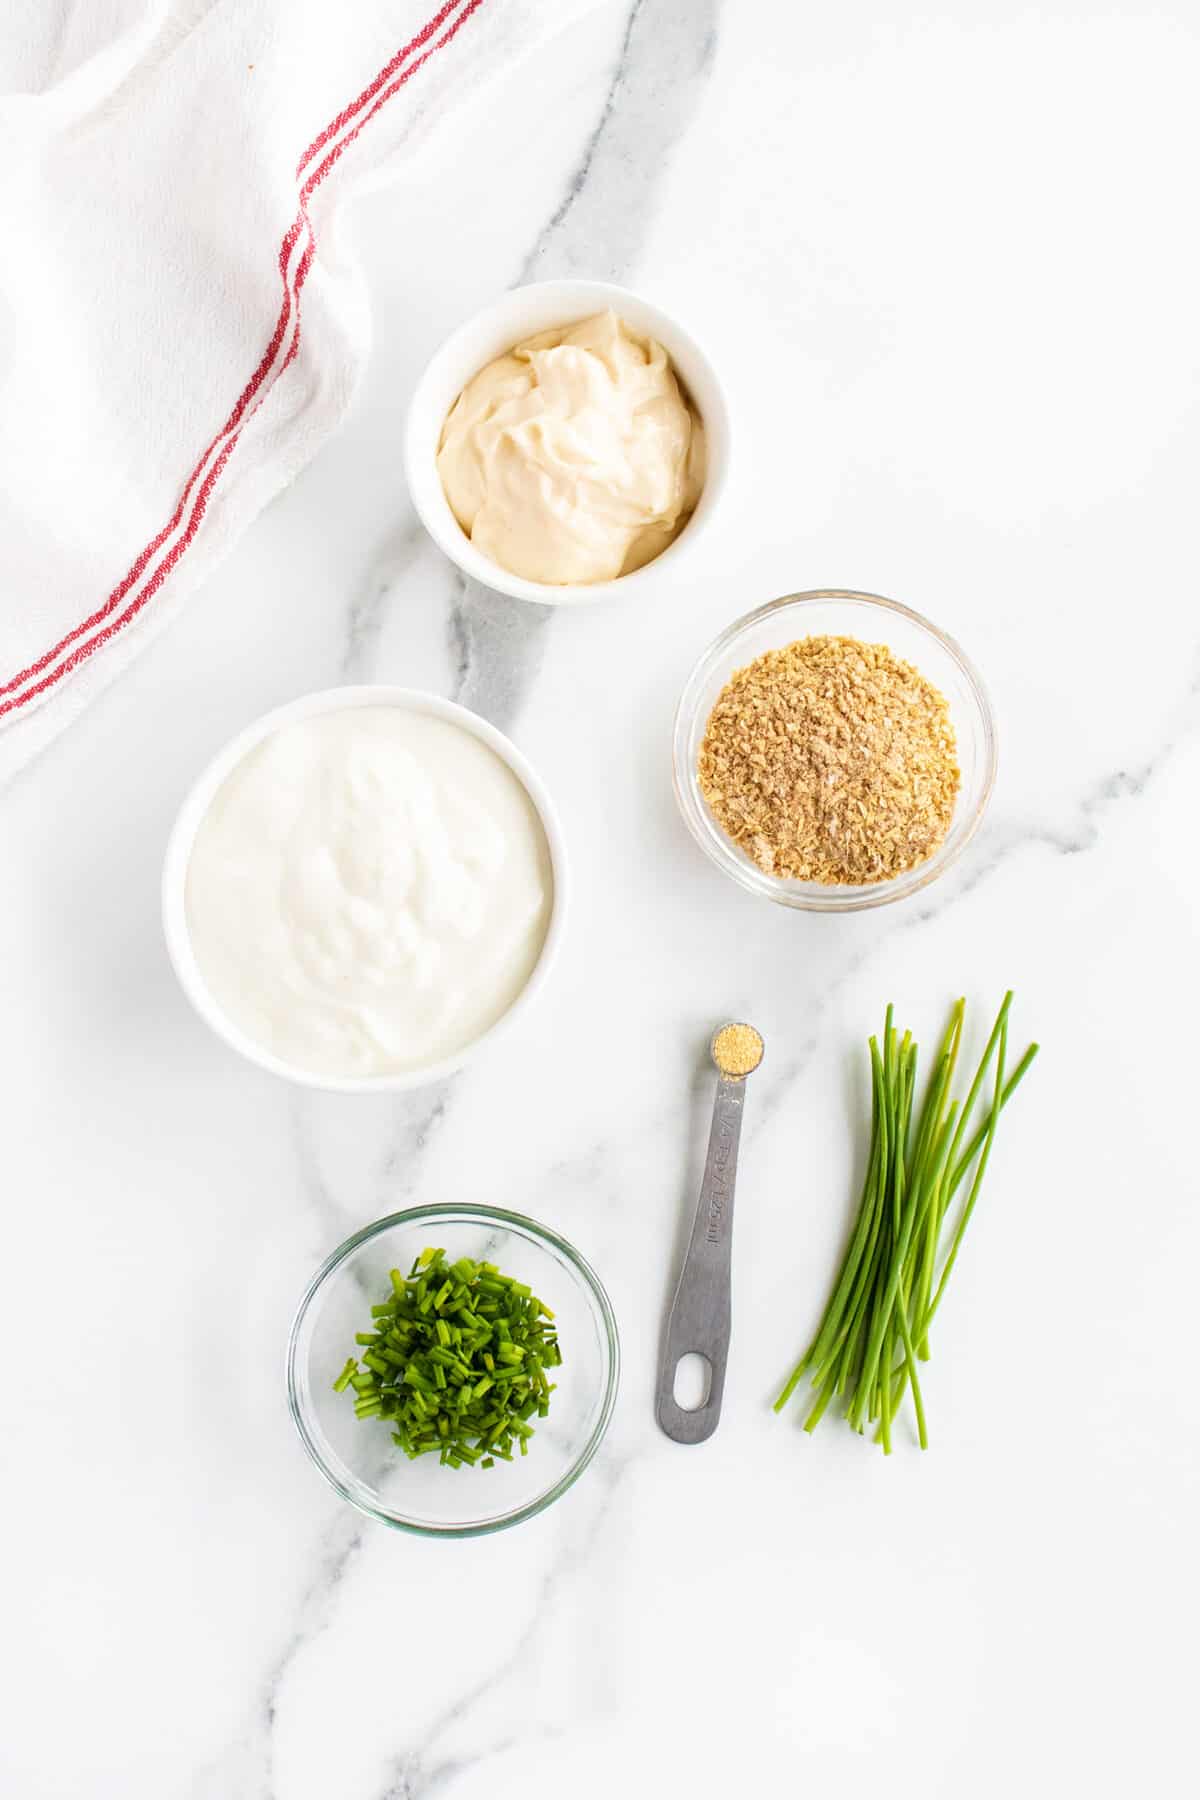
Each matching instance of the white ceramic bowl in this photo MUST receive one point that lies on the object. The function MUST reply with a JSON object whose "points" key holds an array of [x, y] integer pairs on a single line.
{"points": [[183, 834], [519, 314]]}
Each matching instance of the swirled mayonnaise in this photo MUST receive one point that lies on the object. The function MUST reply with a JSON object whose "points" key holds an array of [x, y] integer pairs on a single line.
{"points": [[576, 456], [368, 891]]}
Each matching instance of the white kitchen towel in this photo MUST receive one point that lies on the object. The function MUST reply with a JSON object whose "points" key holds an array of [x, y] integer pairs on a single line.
{"points": [[180, 329]]}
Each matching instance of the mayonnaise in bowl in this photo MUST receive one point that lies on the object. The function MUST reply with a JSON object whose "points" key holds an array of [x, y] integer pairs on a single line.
{"points": [[602, 464], [576, 456]]}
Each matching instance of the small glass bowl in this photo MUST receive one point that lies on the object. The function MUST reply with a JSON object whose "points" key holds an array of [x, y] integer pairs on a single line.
{"points": [[840, 613], [357, 1456]]}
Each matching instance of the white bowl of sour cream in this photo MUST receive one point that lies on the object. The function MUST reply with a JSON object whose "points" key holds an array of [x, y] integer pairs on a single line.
{"points": [[363, 888], [572, 424]]}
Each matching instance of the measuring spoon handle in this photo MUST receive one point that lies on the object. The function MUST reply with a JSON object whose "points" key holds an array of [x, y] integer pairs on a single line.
{"points": [[700, 1312]]}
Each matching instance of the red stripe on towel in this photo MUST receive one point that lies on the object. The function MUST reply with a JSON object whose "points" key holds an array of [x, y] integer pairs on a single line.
{"points": [[380, 81], [388, 83]]}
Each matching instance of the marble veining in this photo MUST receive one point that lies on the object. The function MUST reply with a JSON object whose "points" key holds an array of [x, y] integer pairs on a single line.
{"points": [[594, 232], [600, 223], [364, 616], [424, 1768], [925, 254]]}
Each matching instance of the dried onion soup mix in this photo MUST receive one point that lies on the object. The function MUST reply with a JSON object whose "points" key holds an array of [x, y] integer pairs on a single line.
{"points": [[831, 761]]}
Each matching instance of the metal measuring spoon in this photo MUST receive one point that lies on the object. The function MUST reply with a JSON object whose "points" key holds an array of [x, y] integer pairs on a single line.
{"points": [[700, 1313]]}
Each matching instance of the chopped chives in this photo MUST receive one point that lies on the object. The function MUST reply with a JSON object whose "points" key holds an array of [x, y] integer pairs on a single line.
{"points": [[456, 1362]]}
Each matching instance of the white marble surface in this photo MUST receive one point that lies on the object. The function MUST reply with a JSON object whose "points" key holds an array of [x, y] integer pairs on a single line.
{"points": [[948, 262]]}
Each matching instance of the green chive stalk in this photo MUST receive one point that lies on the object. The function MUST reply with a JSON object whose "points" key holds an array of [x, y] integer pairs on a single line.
{"points": [[875, 1329]]}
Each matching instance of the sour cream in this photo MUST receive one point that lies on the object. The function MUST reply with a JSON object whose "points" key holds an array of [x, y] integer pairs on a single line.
{"points": [[368, 892]]}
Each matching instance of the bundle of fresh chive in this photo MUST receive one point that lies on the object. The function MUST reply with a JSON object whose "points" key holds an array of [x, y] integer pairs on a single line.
{"points": [[456, 1361], [905, 1240]]}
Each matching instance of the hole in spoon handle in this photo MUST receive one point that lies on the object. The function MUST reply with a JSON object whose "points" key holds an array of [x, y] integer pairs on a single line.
{"points": [[693, 1381]]}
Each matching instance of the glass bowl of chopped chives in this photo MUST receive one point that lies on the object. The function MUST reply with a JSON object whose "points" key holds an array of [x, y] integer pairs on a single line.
{"points": [[451, 1370], [834, 751]]}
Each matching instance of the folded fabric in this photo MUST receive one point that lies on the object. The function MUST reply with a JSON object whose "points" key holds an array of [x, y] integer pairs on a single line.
{"points": [[178, 335]]}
